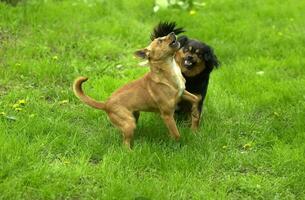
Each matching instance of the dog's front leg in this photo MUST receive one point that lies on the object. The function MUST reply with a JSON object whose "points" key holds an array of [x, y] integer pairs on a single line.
{"points": [[171, 125], [195, 108], [190, 97]]}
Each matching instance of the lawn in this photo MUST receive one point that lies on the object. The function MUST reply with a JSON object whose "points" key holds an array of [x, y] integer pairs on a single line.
{"points": [[251, 143]]}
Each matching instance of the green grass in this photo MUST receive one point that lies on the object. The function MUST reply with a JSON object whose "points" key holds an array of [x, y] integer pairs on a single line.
{"points": [[251, 140]]}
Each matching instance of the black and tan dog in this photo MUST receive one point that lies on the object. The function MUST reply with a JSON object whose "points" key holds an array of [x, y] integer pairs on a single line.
{"points": [[196, 61], [158, 91]]}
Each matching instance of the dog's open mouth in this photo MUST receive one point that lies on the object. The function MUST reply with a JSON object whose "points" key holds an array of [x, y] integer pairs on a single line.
{"points": [[175, 44], [188, 64]]}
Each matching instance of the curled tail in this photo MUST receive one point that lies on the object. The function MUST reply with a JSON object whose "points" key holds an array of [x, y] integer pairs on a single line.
{"points": [[78, 91]]}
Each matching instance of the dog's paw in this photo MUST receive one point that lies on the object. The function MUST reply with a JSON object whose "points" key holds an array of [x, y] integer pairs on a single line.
{"points": [[195, 124]]}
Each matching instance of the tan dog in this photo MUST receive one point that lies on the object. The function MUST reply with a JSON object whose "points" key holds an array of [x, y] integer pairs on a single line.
{"points": [[196, 61], [157, 91]]}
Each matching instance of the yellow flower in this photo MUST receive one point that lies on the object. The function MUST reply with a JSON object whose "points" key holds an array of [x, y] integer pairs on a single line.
{"points": [[16, 105], [55, 57], [2, 113], [192, 12], [21, 102], [247, 146], [18, 109], [66, 162]]}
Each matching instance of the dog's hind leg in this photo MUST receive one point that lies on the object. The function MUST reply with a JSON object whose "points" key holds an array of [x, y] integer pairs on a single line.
{"points": [[125, 121], [171, 125]]}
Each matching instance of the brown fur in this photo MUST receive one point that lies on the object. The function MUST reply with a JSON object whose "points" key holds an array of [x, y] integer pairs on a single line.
{"points": [[157, 91], [197, 69]]}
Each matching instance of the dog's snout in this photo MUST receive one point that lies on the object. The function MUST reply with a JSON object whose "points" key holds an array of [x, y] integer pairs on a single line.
{"points": [[189, 58], [172, 36]]}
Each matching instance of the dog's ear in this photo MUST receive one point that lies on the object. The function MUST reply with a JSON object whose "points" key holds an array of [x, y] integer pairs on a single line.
{"points": [[182, 40], [209, 57], [142, 53]]}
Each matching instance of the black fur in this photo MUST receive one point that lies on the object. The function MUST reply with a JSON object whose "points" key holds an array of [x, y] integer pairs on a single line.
{"points": [[210, 58], [165, 28], [182, 40], [207, 52], [198, 84]]}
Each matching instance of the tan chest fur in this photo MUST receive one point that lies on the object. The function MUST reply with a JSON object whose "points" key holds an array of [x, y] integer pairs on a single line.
{"points": [[177, 77]]}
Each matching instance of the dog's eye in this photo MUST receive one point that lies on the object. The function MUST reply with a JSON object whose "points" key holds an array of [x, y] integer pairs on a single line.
{"points": [[185, 49]]}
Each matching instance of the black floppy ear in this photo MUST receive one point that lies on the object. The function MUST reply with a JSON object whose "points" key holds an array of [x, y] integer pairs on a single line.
{"points": [[142, 53], [182, 40], [209, 57]]}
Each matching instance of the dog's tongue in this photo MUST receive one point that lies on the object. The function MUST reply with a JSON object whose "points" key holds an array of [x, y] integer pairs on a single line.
{"points": [[187, 63]]}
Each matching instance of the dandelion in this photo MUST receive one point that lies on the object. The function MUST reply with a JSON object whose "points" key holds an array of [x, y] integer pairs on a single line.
{"points": [[247, 146], [18, 109], [55, 57], [16, 105], [2, 113], [66, 162], [21, 102]]}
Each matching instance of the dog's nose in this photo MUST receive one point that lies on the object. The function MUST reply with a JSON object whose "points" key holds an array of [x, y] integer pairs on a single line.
{"points": [[189, 58], [172, 35]]}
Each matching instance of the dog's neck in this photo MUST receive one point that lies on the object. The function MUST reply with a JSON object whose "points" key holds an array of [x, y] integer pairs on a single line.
{"points": [[162, 66], [167, 72]]}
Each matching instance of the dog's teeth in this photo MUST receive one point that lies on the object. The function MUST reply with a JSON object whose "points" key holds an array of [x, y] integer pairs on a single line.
{"points": [[186, 62]]}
